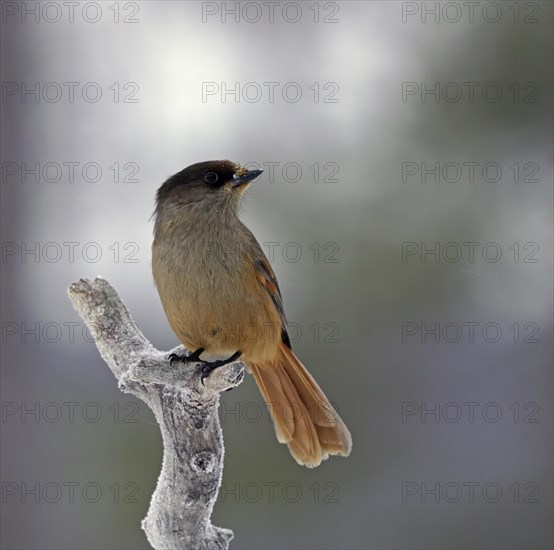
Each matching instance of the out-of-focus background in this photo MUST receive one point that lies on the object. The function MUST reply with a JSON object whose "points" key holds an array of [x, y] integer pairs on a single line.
{"points": [[406, 207]]}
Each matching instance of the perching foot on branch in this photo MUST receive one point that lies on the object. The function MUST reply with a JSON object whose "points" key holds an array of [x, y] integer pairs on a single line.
{"points": [[185, 406]]}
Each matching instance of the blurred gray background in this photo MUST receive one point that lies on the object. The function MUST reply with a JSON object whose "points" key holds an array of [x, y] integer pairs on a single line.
{"points": [[350, 218]]}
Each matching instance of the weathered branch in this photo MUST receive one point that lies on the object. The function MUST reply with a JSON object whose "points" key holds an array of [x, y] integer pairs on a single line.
{"points": [[186, 410]]}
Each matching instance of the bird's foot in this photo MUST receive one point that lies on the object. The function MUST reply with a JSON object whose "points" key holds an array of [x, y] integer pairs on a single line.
{"points": [[208, 367], [193, 357]]}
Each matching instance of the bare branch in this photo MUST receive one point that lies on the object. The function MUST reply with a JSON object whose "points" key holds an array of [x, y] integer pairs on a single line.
{"points": [[186, 410]]}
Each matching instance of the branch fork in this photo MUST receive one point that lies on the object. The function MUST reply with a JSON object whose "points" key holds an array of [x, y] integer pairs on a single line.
{"points": [[185, 409]]}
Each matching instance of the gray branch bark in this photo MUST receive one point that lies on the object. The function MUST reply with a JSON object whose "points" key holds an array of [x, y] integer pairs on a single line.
{"points": [[181, 506]]}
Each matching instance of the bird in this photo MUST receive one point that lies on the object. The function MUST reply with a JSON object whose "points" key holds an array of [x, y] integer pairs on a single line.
{"points": [[222, 300]]}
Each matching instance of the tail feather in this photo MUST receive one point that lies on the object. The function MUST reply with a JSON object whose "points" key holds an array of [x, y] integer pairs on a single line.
{"points": [[302, 414], [305, 441], [321, 411], [269, 382]]}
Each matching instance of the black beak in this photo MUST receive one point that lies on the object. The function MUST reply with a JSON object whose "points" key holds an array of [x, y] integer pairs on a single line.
{"points": [[245, 178]]}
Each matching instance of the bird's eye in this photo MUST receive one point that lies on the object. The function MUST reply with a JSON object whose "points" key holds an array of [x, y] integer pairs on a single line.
{"points": [[211, 178]]}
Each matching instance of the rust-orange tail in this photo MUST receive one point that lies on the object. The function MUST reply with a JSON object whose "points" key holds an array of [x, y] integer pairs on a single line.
{"points": [[303, 417]]}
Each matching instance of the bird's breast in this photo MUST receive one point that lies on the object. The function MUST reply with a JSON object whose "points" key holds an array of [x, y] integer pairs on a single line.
{"points": [[212, 298]]}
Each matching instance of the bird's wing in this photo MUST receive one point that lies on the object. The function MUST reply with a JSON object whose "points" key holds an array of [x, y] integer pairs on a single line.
{"points": [[267, 279]]}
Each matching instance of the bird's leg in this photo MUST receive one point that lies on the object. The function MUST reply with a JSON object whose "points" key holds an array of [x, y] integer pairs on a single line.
{"points": [[193, 357], [208, 368]]}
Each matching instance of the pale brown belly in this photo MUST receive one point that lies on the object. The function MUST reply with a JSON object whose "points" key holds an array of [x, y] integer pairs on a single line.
{"points": [[215, 310]]}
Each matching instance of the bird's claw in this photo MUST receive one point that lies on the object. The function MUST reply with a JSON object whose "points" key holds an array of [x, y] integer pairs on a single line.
{"points": [[191, 358], [208, 368], [181, 358]]}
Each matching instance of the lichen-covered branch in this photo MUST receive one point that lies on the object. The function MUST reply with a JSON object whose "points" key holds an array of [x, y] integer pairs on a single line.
{"points": [[186, 410]]}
